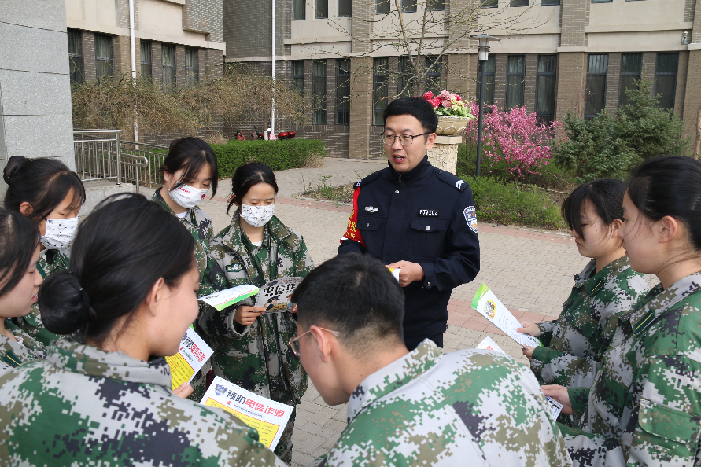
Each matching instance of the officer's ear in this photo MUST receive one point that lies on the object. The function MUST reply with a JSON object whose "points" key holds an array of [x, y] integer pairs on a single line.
{"points": [[431, 140]]}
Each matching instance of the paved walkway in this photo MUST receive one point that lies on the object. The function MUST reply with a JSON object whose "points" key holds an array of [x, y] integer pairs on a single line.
{"points": [[530, 271]]}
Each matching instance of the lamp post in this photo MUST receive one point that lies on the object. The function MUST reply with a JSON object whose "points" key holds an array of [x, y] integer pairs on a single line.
{"points": [[482, 56]]}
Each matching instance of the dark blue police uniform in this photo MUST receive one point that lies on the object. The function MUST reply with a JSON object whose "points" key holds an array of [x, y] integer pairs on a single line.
{"points": [[424, 216]]}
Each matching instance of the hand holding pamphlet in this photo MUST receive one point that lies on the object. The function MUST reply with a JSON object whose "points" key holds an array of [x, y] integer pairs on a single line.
{"points": [[266, 416], [185, 364], [276, 295], [489, 306]]}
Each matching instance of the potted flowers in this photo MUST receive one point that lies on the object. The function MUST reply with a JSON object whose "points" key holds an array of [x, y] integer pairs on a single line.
{"points": [[453, 113]]}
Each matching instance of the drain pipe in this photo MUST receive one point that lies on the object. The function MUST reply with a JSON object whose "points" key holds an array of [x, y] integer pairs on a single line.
{"points": [[133, 61], [272, 113]]}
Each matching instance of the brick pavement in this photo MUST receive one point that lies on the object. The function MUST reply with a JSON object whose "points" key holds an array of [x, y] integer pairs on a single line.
{"points": [[530, 271]]}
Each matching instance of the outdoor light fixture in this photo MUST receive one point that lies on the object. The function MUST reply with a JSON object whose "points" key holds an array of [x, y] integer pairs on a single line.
{"points": [[482, 56]]}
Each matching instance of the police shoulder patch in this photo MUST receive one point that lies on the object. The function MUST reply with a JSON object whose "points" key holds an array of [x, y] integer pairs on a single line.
{"points": [[471, 218], [452, 180]]}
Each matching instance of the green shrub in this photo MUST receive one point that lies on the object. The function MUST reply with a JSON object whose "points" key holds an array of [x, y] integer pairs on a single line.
{"points": [[510, 203], [279, 154]]}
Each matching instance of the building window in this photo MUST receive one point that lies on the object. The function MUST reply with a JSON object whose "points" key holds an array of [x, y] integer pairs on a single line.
{"points": [[595, 99], [381, 7], [631, 67], [345, 8], [319, 92], [298, 7], [146, 61], [168, 59], [75, 55], [409, 6], [379, 89], [434, 70], [322, 9], [405, 79], [545, 88], [103, 55], [515, 80], [343, 92], [298, 76], [490, 69], [666, 79], [192, 67], [489, 3], [436, 5], [549, 2], [519, 2], [601, 1]]}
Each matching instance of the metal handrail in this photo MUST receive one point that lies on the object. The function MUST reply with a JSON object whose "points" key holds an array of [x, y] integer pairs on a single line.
{"points": [[97, 164]]}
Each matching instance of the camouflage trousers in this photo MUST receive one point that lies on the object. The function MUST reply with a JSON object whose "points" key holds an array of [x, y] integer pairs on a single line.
{"points": [[592, 450]]}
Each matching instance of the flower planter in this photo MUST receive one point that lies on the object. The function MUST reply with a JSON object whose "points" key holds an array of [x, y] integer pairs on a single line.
{"points": [[449, 125]]}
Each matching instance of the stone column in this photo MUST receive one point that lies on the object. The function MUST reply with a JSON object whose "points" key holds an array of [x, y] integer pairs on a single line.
{"points": [[444, 154]]}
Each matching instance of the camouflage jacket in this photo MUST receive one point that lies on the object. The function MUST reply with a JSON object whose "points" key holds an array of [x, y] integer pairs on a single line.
{"points": [[255, 357], [14, 353], [576, 341], [49, 261], [199, 224], [471, 407], [644, 407], [85, 406]]}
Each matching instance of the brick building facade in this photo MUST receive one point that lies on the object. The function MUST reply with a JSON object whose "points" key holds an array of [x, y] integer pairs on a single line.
{"points": [[554, 56]]}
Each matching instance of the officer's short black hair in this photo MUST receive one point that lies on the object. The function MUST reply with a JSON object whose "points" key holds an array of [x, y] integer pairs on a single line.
{"points": [[604, 194], [417, 107], [354, 295]]}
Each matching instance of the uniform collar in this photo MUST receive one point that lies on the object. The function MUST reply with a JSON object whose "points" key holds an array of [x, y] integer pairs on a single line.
{"points": [[411, 175], [393, 376], [91, 361], [658, 301], [592, 281], [233, 235]]}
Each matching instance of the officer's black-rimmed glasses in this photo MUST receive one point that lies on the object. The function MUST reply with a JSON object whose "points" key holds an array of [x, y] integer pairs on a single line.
{"points": [[404, 140]]}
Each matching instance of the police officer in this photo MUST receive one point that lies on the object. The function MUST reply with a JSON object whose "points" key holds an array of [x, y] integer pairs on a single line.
{"points": [[417, 218]]}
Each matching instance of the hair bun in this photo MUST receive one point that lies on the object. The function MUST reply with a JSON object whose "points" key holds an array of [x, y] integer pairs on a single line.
{"points": [[14, 164], [64, 305]]}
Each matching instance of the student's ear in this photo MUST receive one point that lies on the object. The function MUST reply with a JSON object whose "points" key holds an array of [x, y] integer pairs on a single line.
{"points": [[615, 227], [26, 209], [155, 297], [325, 343], [668, 228]]}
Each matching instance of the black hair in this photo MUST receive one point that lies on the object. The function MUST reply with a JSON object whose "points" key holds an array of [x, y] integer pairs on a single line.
{"points": [[417, 107], [355, 295], [605, 194], [43, 183], [246, 176], [669, 186], [114, 266], [19, 239], [191, 155]]}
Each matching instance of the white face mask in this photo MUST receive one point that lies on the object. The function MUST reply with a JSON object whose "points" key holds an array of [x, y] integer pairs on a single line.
{"points": [[257, 216], [187, 196], [60, 234]]}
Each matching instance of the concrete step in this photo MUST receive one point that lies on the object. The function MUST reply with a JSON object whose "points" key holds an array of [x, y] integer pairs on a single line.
{"points": [[97, 190]]}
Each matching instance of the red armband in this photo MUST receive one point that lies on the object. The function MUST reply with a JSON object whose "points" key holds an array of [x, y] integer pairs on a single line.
{"points": [[352, 232]]}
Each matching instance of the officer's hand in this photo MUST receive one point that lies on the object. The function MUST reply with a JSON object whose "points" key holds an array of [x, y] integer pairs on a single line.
{"points": [[183, 391], [560, 394], [246, 315], [408, 272], [527, 351], [529, 328]]}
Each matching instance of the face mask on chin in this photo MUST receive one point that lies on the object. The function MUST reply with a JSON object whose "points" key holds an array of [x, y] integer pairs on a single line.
{"points": [[188, 197], [257, 216], [60, 234]]}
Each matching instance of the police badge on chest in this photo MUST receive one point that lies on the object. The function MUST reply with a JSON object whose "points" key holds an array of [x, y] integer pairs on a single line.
{"points": [[429, 212]]}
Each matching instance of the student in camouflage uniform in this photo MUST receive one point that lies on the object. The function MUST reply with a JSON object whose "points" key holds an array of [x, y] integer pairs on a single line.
{"points": [[128, 296], [189, 171], [19, 285], [250, 346], [51, 195], [643, 408], [575, 342], [471, 407]]}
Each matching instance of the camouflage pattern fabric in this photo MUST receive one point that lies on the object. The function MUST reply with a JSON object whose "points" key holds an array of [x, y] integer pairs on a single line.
{"points": [[49, 261], [199, 224], [83, 406], [255, 357], [471, 407], [576, 341], [14, 353], [644, 407]]}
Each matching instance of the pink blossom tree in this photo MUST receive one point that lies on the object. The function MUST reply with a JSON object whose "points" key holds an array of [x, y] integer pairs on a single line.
{"points": [[515, 138]]}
